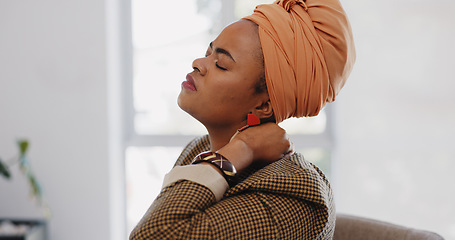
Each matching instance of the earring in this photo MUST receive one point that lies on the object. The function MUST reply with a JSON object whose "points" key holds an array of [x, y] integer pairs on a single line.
{"points": [[252, 120]]}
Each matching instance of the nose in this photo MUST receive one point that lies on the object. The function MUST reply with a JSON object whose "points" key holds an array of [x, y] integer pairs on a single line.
{"points": [[199, 65]]}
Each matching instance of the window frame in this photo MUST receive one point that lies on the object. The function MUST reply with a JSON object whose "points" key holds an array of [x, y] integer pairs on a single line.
{"points": [[322, 140]]}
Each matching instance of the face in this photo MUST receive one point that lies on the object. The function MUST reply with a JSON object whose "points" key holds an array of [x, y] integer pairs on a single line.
{"points": [[220, 90]]}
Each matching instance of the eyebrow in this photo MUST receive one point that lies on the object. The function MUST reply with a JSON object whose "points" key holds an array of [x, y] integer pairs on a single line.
{"points": [[222, 51]]}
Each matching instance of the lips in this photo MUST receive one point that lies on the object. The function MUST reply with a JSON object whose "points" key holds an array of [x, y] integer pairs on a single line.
{"points": [[189, 83]]}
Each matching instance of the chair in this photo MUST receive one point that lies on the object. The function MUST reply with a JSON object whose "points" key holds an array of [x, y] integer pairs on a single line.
{"points": [[350, 227]]}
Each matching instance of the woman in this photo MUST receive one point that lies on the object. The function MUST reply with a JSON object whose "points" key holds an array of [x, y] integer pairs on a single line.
{"points": [[286, 60]]}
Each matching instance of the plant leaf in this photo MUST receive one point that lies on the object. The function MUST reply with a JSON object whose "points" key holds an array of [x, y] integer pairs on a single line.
{"points": [[23, 146], [34, 187], [4, 170]]}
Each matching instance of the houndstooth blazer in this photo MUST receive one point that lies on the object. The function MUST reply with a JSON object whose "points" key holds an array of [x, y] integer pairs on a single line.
{"points": [[288, 199]]}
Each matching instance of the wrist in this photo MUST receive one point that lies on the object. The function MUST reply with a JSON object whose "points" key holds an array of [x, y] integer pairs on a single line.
{"points": [[220, 163], [238, 153]]}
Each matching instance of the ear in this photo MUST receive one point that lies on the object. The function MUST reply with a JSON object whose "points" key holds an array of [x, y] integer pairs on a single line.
{"points": [[263, 110]]}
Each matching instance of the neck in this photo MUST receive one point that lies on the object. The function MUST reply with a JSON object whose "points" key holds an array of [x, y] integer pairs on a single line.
{"points": [[220, 137]]}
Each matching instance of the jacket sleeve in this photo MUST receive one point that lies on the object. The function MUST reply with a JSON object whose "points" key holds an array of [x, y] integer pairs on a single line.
{"points": [[205, 175], [188, 210]]}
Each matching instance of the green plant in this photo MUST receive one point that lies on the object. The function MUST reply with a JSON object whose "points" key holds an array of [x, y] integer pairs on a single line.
{"points": [[24, 165]]}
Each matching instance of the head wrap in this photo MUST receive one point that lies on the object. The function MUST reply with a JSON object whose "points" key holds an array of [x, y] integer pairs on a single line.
{"points": [[308, 53]]}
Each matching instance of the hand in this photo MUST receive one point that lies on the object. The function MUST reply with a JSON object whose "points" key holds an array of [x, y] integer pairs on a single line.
{"points": [[264, 143]]}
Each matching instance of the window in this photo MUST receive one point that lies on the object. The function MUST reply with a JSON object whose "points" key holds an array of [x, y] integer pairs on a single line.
{"points": [[165, 44]]}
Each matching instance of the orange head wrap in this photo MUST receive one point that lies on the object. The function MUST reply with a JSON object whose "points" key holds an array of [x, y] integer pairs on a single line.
{"points": [[308, 54]]}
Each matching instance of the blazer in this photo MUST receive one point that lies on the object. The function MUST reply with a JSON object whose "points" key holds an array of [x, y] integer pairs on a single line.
{"points": [[287, 199]]}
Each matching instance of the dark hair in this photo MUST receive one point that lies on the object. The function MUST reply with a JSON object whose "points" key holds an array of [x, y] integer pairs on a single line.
{"points": [[261, 85]]}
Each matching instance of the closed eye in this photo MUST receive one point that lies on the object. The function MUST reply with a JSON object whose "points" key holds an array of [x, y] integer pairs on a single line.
{"points": [[222, 68]]}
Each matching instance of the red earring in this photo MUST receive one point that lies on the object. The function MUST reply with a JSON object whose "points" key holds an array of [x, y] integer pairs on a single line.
{"points": [[252, 120]]}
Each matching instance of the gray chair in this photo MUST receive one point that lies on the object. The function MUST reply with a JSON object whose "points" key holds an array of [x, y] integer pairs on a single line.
{"points": [[350, 227]]}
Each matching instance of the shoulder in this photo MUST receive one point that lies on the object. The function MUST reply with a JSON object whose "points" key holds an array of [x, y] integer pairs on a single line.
{"points": [[292, 185], [292, 176]]}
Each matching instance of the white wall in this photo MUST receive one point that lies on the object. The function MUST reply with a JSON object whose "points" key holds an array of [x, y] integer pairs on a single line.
{"points": [[396, 116], [54, 90]]}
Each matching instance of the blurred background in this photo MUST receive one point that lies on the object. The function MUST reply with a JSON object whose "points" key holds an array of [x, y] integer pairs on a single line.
{"points": [[93, 86]]}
